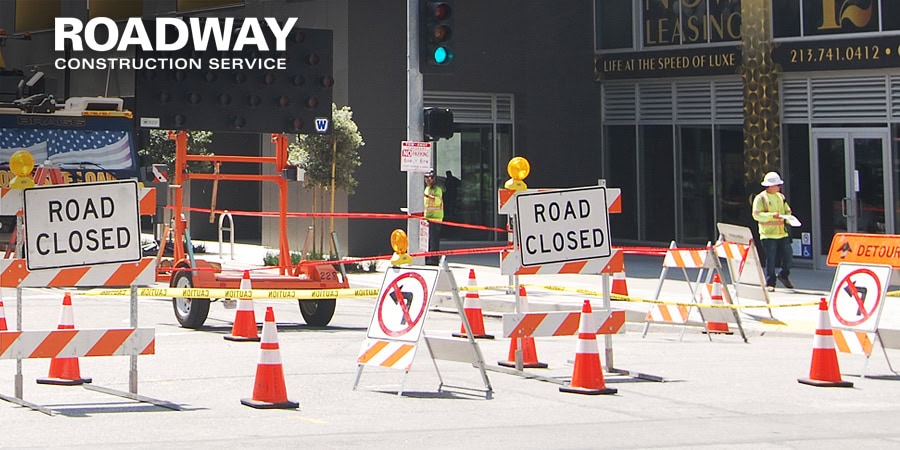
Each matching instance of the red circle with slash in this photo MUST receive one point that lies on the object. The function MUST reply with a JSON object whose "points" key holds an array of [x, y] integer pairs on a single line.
{"points": [[851, 288], [396, 288]]}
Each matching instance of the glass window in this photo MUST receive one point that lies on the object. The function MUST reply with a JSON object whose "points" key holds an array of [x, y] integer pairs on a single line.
{"points": [[661, 25], [698, 220], [798, 184], [725, 21], [622, 150], [694, 23], [658, 179], [786, 18], [614, 25], [890, 16], [734, 208]]}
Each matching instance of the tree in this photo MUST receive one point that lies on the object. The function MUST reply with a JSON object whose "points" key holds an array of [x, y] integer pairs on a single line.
{"points": [[161, 149], [329, 160]]}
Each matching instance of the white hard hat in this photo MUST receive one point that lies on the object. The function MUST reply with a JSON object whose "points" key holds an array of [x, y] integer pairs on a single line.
{"points": [[772, 179]]}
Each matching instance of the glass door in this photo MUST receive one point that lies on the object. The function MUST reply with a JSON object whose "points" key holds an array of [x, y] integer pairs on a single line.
{"points": [[852, 185]]}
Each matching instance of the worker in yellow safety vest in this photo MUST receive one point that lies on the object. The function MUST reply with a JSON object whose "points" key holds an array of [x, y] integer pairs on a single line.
{"points": [[770, 210], [434, 213]]}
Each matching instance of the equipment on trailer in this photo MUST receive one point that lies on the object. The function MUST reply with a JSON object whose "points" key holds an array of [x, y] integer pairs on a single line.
{"points": [[186, 271]]}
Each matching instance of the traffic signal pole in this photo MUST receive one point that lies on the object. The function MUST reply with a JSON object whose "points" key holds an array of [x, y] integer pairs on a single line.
{"points": [[414, 124]]}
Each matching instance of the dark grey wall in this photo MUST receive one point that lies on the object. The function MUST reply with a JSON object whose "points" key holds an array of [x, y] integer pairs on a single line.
{"points": [[540, 50]]}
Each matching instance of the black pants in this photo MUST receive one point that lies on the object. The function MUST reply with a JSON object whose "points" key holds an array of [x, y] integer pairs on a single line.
{"points": [[434, 242]]}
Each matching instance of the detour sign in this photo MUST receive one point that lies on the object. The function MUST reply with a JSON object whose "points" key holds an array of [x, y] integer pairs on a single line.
{"points": [[865, 249]]}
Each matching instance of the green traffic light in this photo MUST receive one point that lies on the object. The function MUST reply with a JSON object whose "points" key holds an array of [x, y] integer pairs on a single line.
{"points": [[441, 55]]}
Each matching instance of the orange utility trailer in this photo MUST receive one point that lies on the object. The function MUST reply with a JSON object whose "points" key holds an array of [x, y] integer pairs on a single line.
{"points": [[185, 271]]}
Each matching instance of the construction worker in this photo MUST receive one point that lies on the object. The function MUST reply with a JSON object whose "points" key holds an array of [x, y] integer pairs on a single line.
{"points": [[770, 210], [434, 212]]}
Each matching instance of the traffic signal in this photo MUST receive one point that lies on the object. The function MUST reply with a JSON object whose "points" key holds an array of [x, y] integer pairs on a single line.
{"points": [[436, 32], [438, 124]]}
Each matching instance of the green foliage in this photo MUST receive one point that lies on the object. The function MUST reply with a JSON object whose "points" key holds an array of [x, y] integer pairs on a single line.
{"points": [[161, 150], [314, 153]]}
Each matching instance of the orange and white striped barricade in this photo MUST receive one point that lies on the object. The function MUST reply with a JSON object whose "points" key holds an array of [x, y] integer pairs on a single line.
{"points": [[856, 304], [397, 326], [678, 312], [557, 323], [745, 269]]}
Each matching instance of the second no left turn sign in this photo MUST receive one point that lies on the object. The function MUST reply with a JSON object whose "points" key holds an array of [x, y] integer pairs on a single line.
{"points": [[402, 304], [856, 296]]}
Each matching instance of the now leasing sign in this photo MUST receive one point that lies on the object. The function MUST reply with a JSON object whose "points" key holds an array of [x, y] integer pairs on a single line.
{"points": [[563, 225], [82, 224]]}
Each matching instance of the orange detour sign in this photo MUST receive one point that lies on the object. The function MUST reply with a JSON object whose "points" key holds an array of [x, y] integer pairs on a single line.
{"points": [[865, 249]]}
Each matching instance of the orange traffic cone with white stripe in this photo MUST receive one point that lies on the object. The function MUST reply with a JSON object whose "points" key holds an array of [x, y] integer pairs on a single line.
{"points": [[269, 391], [472, 308], [587, 377], [824, 370], [619, 284], [2, 317], [244, 328], [529, 352], [716, 297], [65, 371]]}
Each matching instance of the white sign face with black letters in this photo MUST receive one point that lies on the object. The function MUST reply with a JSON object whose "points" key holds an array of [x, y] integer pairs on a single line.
{"points": [[82, 224], [563, 225]]}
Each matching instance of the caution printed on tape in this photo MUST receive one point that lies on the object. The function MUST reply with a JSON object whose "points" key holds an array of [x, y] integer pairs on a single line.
{"points": [[267, 294]]}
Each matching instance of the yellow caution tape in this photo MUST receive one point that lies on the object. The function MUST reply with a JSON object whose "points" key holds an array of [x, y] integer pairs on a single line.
{"points": [[624, 298], [256, 294]]}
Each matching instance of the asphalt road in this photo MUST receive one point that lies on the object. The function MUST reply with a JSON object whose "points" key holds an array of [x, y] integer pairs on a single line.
{"points": [[715, 393]]}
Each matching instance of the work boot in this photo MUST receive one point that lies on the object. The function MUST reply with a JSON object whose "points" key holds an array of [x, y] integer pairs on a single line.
{"points": [[785, 281]]}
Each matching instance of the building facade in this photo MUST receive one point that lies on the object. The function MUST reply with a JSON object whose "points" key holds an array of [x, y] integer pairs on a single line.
{"points": [[702, 97], [684, 104]]}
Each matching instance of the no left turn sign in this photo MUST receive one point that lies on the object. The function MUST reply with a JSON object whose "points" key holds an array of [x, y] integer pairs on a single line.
{"points": [[856, 296]]}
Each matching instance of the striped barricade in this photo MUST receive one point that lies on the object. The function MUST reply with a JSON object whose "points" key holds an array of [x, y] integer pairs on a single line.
{"points": [[507, 204], [853, 342], [700, 259], [559, 323], [390, 354], [76, 343], [511, 264], [15, 273], [12, 201]]}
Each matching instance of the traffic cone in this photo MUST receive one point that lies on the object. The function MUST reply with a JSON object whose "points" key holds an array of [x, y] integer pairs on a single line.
{"points": [[529, 352], [587, 377], [65, 371], [269, 391], [2, 317], [716, 297], [244, 328], [472, 308], [824, 370], [619, 285]]}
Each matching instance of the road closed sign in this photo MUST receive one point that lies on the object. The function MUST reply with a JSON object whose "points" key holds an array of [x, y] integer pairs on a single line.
{"points": [[563, 225], [82, 224]]}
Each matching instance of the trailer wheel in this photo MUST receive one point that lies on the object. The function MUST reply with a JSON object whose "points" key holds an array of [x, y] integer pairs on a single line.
{"points": [[317, 313], [190, 312]]}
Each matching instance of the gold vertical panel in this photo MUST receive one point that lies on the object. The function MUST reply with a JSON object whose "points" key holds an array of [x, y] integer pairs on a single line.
{"points": [[116, 9], [34, 15], [762, 124]]}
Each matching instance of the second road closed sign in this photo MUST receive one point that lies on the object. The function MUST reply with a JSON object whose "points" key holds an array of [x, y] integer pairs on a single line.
{"points": [[563, 225]]}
